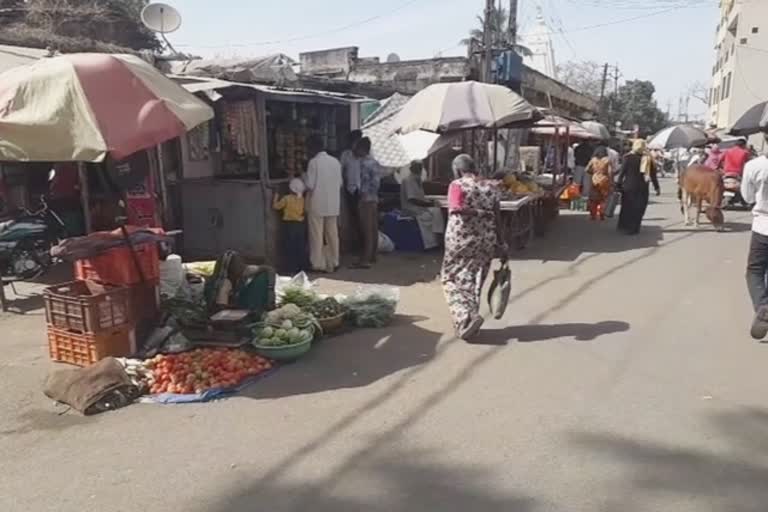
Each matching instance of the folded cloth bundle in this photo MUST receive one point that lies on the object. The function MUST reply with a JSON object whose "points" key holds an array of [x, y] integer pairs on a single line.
{"points": [[101, 387]]}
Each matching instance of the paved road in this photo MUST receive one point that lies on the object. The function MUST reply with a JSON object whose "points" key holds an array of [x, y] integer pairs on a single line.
{"points": [[622, 379]]}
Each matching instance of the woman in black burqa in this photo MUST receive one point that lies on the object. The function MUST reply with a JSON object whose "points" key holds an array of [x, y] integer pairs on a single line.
{"points": [[637, 171]]}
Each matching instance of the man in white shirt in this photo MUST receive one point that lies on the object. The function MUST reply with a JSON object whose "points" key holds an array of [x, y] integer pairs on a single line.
{"points": [[754, 190], [324, 182]]}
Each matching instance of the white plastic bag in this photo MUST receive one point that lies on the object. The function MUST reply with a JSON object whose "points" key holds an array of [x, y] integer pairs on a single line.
{"points": [[372, 306], [385, 243]]}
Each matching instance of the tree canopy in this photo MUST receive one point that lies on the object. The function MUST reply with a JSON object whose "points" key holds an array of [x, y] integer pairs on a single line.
{"points": [[635, 105], [582, 76]]}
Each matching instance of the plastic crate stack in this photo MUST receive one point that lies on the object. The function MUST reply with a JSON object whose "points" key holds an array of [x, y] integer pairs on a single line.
{"points": [[97, 315]]}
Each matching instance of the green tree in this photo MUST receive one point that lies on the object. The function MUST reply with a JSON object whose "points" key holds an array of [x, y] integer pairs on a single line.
{"points": [[499, 33], [635, 105]]}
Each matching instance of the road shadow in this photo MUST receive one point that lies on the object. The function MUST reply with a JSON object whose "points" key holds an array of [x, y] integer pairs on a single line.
{"points": [[395, 269], [353, 360], [28, 295], [535, 333], [731, 477], [395, 481], [573, 235]]}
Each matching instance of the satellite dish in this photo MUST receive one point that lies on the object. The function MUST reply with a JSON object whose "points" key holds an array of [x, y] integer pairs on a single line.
{"points": [[161, 18], [393, 57]]}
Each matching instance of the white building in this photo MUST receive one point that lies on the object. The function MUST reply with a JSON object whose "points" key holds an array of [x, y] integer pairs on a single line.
{"points": [[539, 41], [741, 60]]}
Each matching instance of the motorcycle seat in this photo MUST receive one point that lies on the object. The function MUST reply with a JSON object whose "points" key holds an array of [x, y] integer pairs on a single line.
{"points": [[5, 225]]}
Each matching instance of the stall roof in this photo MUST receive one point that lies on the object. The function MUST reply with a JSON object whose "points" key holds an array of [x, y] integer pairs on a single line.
{"points": [[14, 56], [214, 85], [393, 150]]}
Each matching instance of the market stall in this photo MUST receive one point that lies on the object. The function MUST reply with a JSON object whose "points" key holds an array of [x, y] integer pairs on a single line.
{"points": [[255, 143], [473, 114], [252, 322], [64, 111]]}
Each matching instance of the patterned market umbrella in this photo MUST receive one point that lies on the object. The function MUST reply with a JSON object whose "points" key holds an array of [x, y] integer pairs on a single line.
{"points": [[442, 108], [81, 107], [680, 136]]}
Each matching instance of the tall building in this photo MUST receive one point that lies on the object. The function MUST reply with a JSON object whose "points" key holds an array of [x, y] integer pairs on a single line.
{"points": [[741, 59], [539, 41]]}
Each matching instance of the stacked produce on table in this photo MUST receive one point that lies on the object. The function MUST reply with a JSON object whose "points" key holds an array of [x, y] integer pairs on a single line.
{"points": [[521, 185]]}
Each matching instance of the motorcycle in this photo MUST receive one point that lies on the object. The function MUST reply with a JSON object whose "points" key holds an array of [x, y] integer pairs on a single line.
{"points": [[26, 241], [732, 192]]}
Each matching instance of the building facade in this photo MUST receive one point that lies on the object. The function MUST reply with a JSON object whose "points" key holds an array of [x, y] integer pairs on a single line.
{"points": [[410, 76], [741, 58]]}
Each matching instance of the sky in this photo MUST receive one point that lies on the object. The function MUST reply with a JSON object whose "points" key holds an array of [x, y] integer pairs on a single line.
{"points": [[669, 42]]}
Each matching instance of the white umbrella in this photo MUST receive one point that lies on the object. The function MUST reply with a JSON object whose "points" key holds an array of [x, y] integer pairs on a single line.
{"points": [[680, 136], [598, 130], [443, 108]]}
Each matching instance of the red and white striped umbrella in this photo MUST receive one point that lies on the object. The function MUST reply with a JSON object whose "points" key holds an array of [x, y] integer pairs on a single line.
{"points": [[81, 107]]}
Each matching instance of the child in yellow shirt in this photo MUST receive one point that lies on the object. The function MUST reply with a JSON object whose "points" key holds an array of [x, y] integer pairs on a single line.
{"points": [[294, 230]]}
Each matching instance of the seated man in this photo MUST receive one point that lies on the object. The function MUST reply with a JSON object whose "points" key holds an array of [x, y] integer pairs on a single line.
{"points": [[426, 212]]}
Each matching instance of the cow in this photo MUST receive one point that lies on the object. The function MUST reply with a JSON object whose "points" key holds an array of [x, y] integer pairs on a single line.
{"points": [[699, 183]]}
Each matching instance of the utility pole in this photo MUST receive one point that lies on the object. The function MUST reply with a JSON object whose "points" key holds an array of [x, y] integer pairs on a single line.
{"points": [[488, 41], [616, 76], [603, 84], [512, 24]]}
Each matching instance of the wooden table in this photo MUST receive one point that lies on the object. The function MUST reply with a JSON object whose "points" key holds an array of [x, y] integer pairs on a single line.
{"points": [[517, 215]]}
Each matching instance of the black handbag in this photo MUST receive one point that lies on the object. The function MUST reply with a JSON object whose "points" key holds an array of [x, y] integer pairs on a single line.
{"points": [[498, 293]]}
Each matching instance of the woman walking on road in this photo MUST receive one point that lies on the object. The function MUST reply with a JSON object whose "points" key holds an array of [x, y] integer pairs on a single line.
{"points": [[471, 243], [637, 171], [600, 170]]}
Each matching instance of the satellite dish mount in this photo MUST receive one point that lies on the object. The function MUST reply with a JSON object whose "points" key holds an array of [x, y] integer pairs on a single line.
{"points": [[161, 19]]}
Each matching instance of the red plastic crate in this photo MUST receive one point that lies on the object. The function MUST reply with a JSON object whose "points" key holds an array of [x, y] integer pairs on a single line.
{"points": [[87, 306], [85, 349], [117, 266]]}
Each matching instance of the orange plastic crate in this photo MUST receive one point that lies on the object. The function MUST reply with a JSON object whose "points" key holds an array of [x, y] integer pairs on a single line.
{"points": [[87, 306], [117, 266], [86, 349]]}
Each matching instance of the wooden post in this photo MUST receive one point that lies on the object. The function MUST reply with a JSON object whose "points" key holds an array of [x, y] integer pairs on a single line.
{"points": [[165, 216], [85, 196]]}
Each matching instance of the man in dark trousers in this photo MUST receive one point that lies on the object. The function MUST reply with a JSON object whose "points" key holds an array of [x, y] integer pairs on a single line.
{"points": [[754, 189], [582, 155], [350, 168]]}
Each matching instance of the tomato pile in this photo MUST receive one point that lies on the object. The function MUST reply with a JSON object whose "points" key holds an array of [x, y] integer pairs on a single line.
{"points": [[203, 369]]}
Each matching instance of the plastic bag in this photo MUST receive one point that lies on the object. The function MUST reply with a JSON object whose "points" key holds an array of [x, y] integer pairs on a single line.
{"points": [[499, 291], [372, 306], [385, 243]]}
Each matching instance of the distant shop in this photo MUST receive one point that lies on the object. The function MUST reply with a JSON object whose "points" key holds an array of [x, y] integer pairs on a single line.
{"points": [[257, 141]]}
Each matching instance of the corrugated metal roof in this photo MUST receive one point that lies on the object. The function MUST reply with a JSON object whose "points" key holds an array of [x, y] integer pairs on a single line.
{"points": [[203, 84], [397, 151]]}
